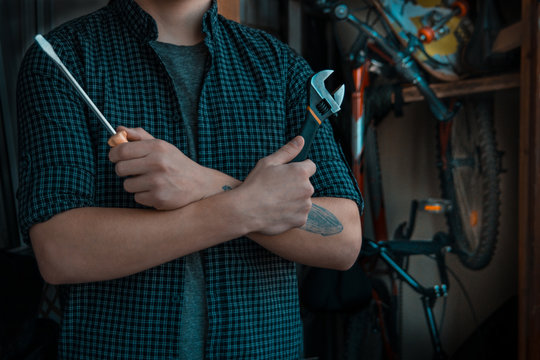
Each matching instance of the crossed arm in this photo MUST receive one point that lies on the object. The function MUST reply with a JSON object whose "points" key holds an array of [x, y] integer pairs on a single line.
{"points": [[196, 208]]}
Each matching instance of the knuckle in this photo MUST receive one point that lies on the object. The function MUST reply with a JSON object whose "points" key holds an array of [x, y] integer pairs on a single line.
{"points": [[159, 145], [305, 218], [141, 199], [310, 190], [301, 219], [121, 151], [288, 149], [312, 167], [159, 200], [155, 181], [118, 168], [127, 186], [308, 206], [112, 157], [306, 172], [264, 162], [309, 168], [160, 164]]}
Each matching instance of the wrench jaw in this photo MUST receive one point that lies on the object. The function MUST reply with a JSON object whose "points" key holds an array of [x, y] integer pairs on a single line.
{"points": [[338, 96], [321, 101], [321, 105]]}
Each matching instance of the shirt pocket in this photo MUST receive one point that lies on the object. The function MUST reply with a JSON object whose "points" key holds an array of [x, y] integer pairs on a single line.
{"points": [[249, 131]]}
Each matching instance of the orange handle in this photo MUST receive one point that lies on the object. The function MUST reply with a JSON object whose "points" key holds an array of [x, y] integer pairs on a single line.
{"points": [[117, 139]]}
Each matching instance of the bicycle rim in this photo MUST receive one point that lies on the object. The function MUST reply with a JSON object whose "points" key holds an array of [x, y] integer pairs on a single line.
{"points": [[468, 166]]}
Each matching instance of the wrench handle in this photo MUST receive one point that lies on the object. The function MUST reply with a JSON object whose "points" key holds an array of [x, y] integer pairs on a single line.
{"points": [[308, 132]]}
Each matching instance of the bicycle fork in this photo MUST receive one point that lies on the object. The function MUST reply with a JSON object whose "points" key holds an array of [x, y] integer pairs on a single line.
{"points": [[428, 303]]}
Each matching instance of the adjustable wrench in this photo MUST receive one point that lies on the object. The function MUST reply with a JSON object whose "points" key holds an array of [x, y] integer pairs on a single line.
{"points": [[321, 106]]}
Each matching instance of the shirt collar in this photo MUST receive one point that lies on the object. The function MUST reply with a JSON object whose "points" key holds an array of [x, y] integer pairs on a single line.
{"points": [[144, 26]]}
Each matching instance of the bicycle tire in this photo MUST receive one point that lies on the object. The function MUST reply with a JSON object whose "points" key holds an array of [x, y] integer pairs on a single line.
{"points": [[468, 164]]}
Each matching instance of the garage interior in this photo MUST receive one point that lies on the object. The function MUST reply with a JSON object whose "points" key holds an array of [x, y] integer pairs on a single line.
{"points": [[488, 312]]}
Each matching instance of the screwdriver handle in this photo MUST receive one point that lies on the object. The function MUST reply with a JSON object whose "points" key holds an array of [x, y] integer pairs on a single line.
{"points": [[308, 132], [119, 138]]}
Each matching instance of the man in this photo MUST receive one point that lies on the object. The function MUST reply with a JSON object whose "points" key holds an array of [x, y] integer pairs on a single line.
{"points": [[180, 243]]}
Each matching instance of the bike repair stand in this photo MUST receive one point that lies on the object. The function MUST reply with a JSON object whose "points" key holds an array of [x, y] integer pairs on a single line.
{"points": [[406, 247]]}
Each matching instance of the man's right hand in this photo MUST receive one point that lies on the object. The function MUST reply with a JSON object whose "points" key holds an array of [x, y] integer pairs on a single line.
{"points": [[276, 195], [159, 175]]}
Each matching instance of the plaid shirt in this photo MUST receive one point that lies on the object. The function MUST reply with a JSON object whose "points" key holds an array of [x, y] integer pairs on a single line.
{"points": [[253, 101]]}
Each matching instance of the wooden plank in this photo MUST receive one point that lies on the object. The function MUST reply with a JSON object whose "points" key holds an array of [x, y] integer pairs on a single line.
{"points": [[230, 9], [508, 38], [529, 188], [465, 87]]}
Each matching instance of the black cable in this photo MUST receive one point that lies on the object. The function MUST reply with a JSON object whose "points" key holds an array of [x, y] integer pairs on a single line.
{"points": [[429, 57], [443, 314], [368, 15], [464, 291], [466, 294], [473, 312], [377, 19]]}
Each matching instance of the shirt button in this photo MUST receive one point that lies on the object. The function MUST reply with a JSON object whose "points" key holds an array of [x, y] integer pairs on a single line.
{"points": [[176, 299]]}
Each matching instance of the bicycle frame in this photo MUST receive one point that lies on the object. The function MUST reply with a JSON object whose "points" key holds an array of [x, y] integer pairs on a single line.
{"points": [[428, 296], [359, 123], [406, 66]]}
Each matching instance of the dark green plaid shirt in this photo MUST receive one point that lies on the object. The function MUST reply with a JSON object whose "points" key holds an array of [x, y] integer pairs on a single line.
{"points": [[252, 102]]}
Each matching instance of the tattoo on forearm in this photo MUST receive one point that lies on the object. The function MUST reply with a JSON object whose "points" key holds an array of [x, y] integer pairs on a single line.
{"points": [[226, 188], [323, 222]]}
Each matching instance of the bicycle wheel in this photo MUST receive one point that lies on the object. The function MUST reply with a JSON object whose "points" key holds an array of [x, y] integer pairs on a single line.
{"points": [[468, 163]]}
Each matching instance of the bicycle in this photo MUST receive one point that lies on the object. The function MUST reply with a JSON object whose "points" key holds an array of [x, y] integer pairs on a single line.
{"points": [[466, 151]]}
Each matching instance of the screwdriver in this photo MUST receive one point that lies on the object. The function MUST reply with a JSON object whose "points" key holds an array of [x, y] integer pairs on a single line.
{"points": [[117, 137]]}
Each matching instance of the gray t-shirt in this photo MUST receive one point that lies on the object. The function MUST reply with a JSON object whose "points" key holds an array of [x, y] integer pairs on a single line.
{"points": [[185, 65]]}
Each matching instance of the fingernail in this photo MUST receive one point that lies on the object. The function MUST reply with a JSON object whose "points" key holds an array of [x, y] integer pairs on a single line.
{"points": [[296, 141]]}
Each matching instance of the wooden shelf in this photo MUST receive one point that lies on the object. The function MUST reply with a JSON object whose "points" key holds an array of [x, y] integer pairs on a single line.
{"points": [[465, 87]]}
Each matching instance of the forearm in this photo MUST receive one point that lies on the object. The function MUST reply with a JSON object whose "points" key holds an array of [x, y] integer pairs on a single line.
{"points": [[276, 194], [325, 244], [331, 238], [94, 244]]}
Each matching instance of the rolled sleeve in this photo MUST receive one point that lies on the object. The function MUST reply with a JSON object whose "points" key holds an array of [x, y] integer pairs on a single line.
{"points": [[56, 157], [333, 177]]}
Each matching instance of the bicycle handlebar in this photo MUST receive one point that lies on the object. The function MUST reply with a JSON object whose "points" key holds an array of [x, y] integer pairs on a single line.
{"points": [[408, 247], [404, 63], [413, 247]]}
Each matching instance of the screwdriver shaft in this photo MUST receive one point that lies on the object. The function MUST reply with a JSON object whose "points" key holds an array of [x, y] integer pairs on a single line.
{"points": [[47, 47]]}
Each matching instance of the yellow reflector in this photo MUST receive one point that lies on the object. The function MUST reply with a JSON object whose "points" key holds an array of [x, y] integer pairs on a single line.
{"points": [[434, 208], [473, 218]]}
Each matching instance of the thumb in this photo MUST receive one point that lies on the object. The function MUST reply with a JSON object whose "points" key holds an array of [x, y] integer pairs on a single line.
{"points": [[288, 151], [135, 134]]}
